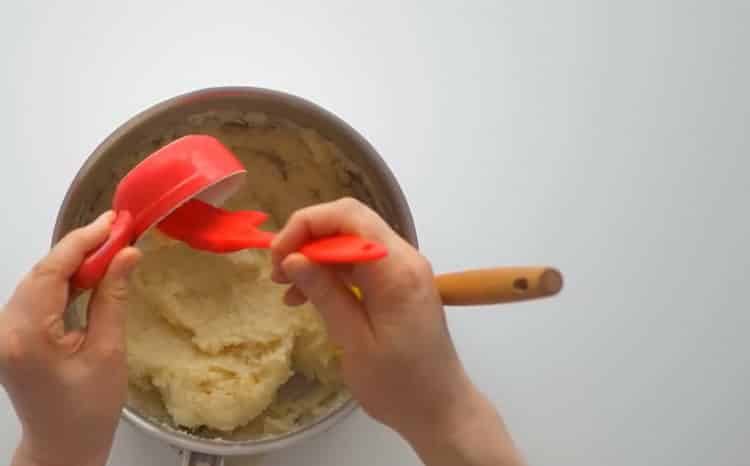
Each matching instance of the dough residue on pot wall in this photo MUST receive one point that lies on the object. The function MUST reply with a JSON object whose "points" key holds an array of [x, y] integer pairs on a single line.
{"points": [[209, 341]]}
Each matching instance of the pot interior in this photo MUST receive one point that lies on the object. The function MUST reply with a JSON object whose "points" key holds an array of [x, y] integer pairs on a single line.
{"points": [[230, 115]]}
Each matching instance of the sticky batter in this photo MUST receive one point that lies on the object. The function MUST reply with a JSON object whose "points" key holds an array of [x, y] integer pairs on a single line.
{"points": [[208, 334]]}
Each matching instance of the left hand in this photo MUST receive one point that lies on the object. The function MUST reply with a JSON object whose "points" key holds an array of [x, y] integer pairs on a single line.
{"points": [[67, 388]]}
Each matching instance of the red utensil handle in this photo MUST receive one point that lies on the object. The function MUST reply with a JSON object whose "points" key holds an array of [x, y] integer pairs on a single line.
{"points": [[95, 265], [343, 249]]}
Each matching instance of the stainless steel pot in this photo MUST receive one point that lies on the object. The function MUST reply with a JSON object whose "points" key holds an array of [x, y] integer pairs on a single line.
{"points": [[91, 190]]}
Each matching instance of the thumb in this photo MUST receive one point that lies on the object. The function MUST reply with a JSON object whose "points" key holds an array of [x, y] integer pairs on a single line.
{"points": [[346, 319], [108, 305]]}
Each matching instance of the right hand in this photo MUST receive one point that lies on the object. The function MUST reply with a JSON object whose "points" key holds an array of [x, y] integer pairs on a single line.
{"points": [[398, 358]]}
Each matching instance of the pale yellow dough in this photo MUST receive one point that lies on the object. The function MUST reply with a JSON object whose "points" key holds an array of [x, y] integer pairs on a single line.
{"points": [[208, 333]]}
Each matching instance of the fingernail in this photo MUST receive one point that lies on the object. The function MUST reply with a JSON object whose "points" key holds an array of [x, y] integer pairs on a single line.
{"points": [[278, 276]]}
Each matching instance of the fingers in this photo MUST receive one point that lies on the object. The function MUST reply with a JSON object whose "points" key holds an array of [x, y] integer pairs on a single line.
{"points": [[107, 308], [403, 273], [294, 297], [343, 216], [278, 275], [43, 293], [66, 256], [346, 320]]}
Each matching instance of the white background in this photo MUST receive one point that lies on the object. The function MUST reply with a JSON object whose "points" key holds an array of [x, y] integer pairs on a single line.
{"points": [[607, 138]]}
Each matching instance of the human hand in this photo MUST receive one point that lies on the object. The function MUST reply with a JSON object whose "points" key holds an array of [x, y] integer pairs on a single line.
{"points": [[398, 358], [395, 340], [67, 387]]}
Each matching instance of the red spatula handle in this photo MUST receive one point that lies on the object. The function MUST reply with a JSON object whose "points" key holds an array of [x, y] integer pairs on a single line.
{"points": [[95, 265], [343, 249], [210, 228]]}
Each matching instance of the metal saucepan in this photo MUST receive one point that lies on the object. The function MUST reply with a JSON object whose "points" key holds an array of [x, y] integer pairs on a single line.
{"points": [[92, 189]]}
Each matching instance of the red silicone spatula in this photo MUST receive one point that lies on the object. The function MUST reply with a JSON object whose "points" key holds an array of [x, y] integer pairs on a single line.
{"points": [[209, 228], [194, 166], [186, 178]]}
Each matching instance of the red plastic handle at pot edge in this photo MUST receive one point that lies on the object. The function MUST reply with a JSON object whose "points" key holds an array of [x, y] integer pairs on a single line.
{"points": [[95, 265]]}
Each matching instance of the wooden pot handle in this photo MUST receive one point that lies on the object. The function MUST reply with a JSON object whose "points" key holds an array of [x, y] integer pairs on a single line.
{"points": [[498, 285]]}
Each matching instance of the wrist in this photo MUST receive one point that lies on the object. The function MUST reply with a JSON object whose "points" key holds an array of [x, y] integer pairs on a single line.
{"points": [[458, 401], [469, 433], [31, 453]]}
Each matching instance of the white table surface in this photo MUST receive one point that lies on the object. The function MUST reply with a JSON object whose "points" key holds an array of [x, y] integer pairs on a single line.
{"points": [[607, 138]]}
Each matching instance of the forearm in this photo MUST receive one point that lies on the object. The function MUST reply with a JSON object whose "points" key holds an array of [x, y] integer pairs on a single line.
{"points": [[475, 437]]}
